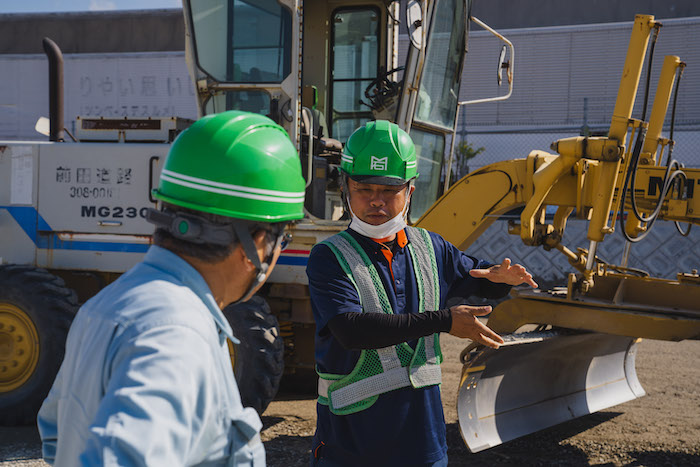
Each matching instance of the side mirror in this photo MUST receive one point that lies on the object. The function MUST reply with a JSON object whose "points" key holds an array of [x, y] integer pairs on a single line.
{"points": [[503, 65], [414, 21], [506, 50]]}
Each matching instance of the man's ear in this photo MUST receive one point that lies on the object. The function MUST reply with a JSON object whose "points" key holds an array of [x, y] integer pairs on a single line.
{"points": [[262, 244], [242, 259], [260, 239]]}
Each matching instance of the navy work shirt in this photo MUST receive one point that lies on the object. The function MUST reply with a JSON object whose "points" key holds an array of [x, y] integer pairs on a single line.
{"points": [[406, 426]]}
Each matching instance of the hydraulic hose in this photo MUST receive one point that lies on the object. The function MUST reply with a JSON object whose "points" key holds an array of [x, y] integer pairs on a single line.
{"points": [[670, 137], [673, 168]]}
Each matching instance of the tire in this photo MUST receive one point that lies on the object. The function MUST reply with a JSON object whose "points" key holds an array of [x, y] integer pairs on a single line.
{"points": [[36, 310], [258, 361]]}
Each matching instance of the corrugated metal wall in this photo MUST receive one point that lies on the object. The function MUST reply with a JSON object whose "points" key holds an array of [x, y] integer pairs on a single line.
{"points": [[557, 68], [94, 31], [140, 85]]}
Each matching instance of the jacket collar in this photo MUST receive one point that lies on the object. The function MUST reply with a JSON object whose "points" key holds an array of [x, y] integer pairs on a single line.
{"points": [[170, 263]]}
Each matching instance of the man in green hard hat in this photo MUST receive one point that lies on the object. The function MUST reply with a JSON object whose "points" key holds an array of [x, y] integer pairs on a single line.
{"points": [[146, 378], [378, 293]]}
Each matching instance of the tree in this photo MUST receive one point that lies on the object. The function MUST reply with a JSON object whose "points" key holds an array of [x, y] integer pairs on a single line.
{"points": [[464, 151]]}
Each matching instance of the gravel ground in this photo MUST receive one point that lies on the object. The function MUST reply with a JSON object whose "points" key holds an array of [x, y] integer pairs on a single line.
{"points": [[660, 429]]}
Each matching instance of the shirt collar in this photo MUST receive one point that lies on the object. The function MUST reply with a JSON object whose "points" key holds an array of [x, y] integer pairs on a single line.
{"points": [[401, 237], [170, 263]]}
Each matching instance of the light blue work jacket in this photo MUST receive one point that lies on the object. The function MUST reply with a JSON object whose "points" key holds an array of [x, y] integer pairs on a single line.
{"points": [[146, 378]]}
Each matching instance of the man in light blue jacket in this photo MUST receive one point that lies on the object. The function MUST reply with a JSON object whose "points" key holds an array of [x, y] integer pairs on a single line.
{"points": [[147, 378]]}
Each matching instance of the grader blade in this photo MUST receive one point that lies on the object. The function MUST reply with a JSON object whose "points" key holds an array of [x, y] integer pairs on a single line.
{"points": [[539, 379]]}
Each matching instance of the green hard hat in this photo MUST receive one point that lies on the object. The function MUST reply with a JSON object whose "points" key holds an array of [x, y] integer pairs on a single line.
{"points": [[380, 153], [235, 164]]}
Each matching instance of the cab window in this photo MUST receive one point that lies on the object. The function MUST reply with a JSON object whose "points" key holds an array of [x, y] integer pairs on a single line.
{"points": [[243, 41], [355, 64]]}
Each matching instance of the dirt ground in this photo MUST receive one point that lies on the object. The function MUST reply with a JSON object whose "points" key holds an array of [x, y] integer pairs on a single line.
{"points": [[660, 429]]}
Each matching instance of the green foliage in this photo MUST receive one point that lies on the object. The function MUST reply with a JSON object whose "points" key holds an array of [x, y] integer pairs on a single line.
{"points": [[464, 151]]}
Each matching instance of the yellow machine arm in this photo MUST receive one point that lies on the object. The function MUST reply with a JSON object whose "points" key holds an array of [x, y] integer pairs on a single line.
{"points": [[570, 351], [585, 177]]}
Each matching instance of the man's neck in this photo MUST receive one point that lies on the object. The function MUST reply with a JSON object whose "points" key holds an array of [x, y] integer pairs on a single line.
{"points": [[390, 238], [225, 284]]}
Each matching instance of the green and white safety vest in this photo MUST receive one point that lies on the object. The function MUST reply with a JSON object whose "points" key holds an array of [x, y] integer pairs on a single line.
{"points": [[382, 370]]}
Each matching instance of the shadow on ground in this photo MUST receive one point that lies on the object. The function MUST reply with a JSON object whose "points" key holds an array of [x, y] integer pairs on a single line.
{"points": [[19, 443], [286, 450], [538, 449]]}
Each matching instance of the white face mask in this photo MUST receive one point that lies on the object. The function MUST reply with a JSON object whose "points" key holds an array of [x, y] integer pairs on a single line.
{"points": [[384, 230]]}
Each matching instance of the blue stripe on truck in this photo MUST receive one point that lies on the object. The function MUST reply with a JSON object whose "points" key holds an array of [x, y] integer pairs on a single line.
{"points": [[293, 260], [31, 223]]}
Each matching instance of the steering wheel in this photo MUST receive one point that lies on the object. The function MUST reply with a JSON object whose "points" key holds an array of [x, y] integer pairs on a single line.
{"points": [[382, 87]]}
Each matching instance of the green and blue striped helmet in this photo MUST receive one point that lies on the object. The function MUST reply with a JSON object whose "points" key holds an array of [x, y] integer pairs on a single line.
{"points": [[235, 164]]}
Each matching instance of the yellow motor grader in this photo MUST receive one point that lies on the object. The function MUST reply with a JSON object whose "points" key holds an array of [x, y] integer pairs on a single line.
{"points": [[570, 351]]}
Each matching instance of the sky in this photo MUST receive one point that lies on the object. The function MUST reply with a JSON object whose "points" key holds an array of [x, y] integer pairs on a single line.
{"points": [[45, 6]]}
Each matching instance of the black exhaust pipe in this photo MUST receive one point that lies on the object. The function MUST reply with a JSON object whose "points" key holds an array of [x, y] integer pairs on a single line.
{"points": [[53, 52]]}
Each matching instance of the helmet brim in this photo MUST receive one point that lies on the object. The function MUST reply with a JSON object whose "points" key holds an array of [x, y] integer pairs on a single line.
{"points": [[375, 180]]}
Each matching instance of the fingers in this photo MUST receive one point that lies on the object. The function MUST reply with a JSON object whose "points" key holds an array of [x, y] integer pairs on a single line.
{"points": [[488, 336], [526, 278], [522, 276], [479, 273], [488, 342], [466, 325], [478, 310], [472, 310], [507, 273]]}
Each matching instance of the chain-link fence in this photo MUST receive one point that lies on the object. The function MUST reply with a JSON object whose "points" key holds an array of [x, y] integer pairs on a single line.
{"points": [[475, 149], [663, 254]]}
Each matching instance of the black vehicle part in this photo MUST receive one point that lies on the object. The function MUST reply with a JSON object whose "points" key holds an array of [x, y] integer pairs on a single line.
{"points": [[36, 310], [258, 361]]}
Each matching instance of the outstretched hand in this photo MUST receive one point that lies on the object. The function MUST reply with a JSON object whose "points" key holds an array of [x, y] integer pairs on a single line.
{"points": [[505, 273], [466, 325]]}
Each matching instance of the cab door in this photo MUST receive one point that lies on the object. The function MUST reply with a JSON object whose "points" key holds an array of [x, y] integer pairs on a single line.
{"points": [[355, 62], [431, 91]]}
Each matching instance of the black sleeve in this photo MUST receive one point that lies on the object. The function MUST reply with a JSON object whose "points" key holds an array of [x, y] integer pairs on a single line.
{"points": [[357, 331], [492, 290]]}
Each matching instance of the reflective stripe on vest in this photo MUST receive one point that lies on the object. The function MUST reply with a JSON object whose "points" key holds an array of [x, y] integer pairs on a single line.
{"points": [[382, 370], [423, 256]]}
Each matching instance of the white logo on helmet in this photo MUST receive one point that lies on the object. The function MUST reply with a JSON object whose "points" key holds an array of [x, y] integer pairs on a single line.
{"points": [[377, 163]]}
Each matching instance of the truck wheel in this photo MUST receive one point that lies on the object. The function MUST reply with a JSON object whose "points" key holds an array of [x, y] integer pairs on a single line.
{"points": [[36, 310], [258, 361]]}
